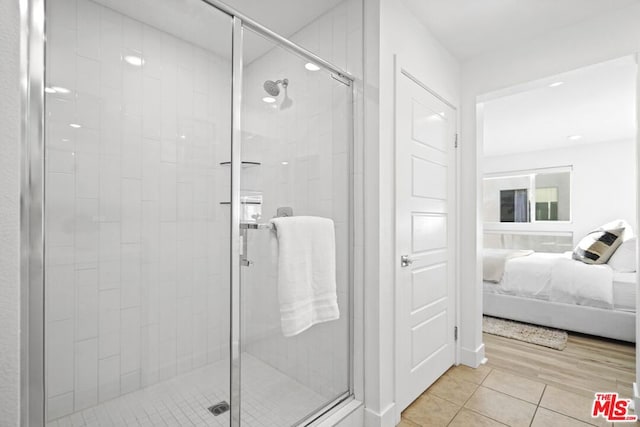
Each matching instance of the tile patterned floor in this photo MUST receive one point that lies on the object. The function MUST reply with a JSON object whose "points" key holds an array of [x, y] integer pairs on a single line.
{"points": [[528, 385], [183, 401], [491, 397]]}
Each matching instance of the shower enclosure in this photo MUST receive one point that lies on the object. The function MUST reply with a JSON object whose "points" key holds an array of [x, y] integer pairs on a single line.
{"points": [[171, 133]]}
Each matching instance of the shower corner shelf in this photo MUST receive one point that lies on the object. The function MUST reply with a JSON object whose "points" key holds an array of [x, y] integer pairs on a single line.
{"points": [[244, 164], [248, 197], [242, 203]]}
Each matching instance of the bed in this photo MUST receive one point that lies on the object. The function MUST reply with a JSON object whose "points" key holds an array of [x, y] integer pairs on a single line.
{"points": [[552, 289]]}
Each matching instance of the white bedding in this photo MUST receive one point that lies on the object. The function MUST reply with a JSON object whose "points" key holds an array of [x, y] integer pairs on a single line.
{"points": [[558, 278], [494, 261], [624, 291], [529, 276], [574, 282]]}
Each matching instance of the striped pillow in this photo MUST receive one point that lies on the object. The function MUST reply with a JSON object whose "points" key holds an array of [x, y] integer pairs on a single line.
{"points": [[598, 246]]}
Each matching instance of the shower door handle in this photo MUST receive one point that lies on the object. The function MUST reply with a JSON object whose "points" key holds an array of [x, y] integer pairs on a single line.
{"points": [[244, 262], [244, 227]]}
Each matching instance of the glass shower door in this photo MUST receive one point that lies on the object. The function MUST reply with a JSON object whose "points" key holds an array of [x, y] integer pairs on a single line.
{"points": [[295, 149], [138, 118]]}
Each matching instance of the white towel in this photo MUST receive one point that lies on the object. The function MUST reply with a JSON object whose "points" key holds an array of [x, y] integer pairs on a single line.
{"points": [[306, 272]]}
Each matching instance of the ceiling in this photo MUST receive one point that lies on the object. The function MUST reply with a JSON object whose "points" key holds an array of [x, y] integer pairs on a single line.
{"points": [[595, 102], [469, 28], [196, 22], [285, 17]]}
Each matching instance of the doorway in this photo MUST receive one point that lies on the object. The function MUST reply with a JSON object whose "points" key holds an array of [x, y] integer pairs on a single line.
{"points": [[545, 137]]}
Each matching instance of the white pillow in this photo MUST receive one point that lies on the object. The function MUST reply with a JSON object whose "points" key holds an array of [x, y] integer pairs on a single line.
{"points": [[619, 223], [624, 259]]}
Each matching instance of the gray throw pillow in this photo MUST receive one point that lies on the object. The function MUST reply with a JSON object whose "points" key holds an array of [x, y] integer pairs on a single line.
{"points": [[598, 246]]}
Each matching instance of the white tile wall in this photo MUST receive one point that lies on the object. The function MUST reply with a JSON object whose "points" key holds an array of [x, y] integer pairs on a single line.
{"points": [[87, 303], [133, 215], [86, 374]]}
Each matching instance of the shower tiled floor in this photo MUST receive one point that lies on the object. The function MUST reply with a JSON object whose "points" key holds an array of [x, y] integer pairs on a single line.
{"points": [[270, 399]]}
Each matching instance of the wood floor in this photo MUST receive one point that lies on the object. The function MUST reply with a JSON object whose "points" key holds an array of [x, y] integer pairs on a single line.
{"points": [[587, 365], [527, 385]]}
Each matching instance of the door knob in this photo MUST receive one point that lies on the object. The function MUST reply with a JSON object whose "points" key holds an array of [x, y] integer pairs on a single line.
{"points": [[405, 261]]}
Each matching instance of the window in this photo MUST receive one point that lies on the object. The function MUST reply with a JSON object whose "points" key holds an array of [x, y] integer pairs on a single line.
{"points": [[528, 196], [514, 205], [547, 204]]}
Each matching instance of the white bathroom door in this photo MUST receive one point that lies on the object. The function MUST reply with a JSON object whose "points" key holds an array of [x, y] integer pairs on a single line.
{"points": [[425, 238]]}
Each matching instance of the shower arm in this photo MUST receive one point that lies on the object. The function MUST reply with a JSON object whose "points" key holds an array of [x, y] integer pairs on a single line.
{"points": [[283, 82]]}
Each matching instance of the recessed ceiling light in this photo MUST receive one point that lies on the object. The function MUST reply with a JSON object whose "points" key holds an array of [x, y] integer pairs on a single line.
{"points": [[75, 125], [574, 137], [183, 136], [269, 100], [60, 89], [556, 84], [49, 90], [311, 66], [134, 60], [285, 163]]}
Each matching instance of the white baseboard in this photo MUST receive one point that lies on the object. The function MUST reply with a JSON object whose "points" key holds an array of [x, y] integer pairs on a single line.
{"points": [[472, 358], [384, 419]]}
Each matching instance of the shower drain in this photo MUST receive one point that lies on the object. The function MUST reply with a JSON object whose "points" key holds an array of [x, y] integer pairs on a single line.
{"points": [[219, 408]]}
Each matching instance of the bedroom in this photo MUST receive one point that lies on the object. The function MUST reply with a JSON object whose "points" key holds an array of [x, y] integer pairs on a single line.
{"points": [[558, 164]]}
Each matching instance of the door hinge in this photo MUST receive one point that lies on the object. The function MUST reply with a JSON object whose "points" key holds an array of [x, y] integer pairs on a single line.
{"points": [[455, 142], [455, 333]]}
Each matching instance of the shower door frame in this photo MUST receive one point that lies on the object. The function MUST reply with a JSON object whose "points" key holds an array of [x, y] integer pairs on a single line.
{"points": [[239, 23], [32, 207]]}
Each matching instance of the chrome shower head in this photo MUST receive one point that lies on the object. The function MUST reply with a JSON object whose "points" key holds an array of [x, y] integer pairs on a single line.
{"points": [[272, 88]]}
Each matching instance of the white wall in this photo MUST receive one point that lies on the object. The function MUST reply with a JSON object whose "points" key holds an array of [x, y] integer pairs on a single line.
{"points": [[10, 214], [603, 183], [401, 35], [608, 36]]}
